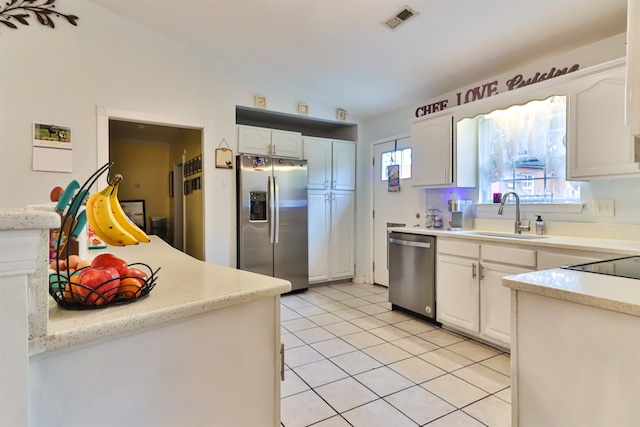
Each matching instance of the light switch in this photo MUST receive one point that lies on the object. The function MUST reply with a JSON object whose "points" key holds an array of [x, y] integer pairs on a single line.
{"points": [[603, 208]]}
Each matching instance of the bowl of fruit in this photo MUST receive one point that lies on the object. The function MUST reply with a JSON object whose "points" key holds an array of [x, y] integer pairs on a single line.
{"points": [[105, 280]]}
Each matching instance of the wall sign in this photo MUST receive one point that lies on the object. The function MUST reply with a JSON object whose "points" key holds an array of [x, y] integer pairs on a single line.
{"points": [[491, 88], [224, 156]]}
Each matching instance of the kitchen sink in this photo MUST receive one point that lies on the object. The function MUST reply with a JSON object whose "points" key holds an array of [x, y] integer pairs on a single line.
{"points": [[505, 235]]}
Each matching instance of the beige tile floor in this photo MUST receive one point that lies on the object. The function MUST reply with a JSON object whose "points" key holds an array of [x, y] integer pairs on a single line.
{"points": [[352, 361]]}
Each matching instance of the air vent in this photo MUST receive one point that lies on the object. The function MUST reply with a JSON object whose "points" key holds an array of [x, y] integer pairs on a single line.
{"points": [[402, 16]]}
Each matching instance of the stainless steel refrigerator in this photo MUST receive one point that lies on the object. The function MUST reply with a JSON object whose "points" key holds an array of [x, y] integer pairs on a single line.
{"points": [[272, 218]]}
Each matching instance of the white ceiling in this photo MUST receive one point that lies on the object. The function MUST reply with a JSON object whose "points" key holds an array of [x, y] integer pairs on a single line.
{"points": [[337, 51]]}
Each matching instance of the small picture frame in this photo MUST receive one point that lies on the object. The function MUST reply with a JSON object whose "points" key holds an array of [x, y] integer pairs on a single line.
{"points": [[341, 114], [303, 108], [197, 183], [171, 184], [260, 101], [199, 163], [134, 209]]}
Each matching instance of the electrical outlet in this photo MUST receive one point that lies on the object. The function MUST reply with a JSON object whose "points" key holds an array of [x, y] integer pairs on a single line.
{"points": [[603, 208]]}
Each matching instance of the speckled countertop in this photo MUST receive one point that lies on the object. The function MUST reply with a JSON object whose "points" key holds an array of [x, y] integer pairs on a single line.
{"points": [[20, 219], [185, 287], [623, 247], [597, 290]]}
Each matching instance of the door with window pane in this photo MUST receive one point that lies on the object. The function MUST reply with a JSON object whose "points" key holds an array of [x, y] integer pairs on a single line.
{"points": [[398, 207]]}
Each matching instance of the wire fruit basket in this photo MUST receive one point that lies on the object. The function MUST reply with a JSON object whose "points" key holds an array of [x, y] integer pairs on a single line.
{"points": [[90, 288]]}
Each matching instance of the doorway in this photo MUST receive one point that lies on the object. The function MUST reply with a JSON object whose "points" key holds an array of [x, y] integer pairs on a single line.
{"points": [[392, 208], [150, 153]]}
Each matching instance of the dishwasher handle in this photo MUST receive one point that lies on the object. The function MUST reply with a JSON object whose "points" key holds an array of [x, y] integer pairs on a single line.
{"points": [[409, 243]]}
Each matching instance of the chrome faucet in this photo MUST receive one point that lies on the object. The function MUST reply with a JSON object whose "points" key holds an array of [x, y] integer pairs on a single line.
{"points": [[519, 228]]}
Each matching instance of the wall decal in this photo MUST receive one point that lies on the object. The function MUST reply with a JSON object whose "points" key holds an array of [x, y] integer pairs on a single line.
{"points": [[20, 10]]}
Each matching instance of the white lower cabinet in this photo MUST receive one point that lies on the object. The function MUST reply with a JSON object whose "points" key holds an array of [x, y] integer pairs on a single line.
{"points": [[470, 296], [495, 302], [331, 235], [319, 219], [458, 294]]}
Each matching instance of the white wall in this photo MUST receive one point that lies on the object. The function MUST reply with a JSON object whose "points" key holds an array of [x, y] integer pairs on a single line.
{"points": [[627, 200], [60, 75]]}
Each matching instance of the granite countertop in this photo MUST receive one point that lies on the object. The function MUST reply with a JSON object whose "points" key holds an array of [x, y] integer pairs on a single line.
{"points": [[185, 287], [623, 247], [613, 293], [20, 219]]}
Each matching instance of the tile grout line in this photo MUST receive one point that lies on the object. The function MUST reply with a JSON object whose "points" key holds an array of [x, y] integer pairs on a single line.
{"points": [[387, 365]]}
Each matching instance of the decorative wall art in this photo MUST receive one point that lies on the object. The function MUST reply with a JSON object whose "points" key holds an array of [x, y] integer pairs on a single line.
{"points": [[192, 166], [224, 156], [135, 211], [394, 178], [52, 148], [260, 101], [19, 11]]}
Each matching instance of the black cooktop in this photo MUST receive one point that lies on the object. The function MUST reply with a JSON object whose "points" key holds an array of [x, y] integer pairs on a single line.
{"points": [[622, 267]]}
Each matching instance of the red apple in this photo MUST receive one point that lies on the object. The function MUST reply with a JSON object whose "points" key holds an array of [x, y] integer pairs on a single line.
{"points": [[110, 260], [105, 281]]}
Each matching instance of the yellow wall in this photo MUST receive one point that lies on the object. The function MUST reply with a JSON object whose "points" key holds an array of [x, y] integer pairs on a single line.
{"points": [[191, 143], [145, 177]]}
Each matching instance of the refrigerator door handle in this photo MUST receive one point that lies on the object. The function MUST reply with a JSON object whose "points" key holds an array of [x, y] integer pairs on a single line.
{"points": [[272, 204], [277, 221]]}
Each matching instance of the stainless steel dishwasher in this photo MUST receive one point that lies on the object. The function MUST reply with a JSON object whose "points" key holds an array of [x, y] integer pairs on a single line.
{"points": [[412, 273]]}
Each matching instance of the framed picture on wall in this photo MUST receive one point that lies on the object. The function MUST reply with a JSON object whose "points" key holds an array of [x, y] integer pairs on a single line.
{"points": [[171, 184], [135, 211]]}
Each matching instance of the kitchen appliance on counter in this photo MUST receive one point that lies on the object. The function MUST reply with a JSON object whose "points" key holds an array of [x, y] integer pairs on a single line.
{"points": [[272, 218], [412, 273], [628, 267], [461, 217]]}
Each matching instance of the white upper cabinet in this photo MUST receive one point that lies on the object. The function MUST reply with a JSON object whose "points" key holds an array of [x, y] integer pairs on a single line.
{"points": [[317, 151], [269, 142], [439, 159], [254, 140], [432, 162], [286, 144], [633, 68], [600, 145], [331, 164], [343, 156]]}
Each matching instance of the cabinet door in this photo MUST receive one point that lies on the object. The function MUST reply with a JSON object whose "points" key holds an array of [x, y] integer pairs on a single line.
{"points": [[319, 217], [342, 234], [254, 140], [495, 302], [344, 166], [457, 293], [600, 144], [286, 144], [633, 67], [432, 152], [317, 151]]}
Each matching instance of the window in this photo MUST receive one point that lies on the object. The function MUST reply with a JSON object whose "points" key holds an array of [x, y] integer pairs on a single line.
{"points": [[400, 157], [523, 149]]}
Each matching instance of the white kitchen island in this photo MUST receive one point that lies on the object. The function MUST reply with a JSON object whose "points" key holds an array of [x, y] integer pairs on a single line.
{"points": [[203, 349], [575, 350]]}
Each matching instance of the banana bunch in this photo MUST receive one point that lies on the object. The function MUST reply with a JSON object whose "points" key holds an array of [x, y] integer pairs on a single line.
{"points": [[108, 220]]}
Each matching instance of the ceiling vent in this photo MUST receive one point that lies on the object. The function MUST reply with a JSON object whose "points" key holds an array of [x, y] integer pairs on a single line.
{"points": [[401, 17]]}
